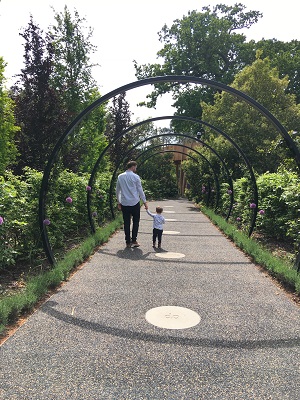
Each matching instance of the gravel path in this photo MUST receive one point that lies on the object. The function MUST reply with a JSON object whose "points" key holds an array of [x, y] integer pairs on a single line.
{"points": [[91, 340]]}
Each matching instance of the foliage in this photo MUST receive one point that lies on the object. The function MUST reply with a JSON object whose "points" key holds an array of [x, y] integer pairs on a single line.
{"points": [[205, 44], [72, 74], [39, 110], [118, 120], [158, 176], [54, 87], [278, 195], [256, 136], [8, 128], [72, 77], [285, 56], [278, 200], [19, 207], [19, 232], [279, 269]]}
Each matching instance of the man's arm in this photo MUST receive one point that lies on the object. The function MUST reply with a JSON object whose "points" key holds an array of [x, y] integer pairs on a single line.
{"points": [[141, 192], [118, 194]]}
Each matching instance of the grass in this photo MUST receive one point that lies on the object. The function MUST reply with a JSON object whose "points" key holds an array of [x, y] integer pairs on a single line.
{"points": [[278, 268], [36, 287]]}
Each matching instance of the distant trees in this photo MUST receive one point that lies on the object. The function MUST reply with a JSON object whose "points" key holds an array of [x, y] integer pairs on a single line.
{"points": [[205, 44], [258, 138], [8, 128], [118, 120], [54, 86], [39, 108], [209, 44]]}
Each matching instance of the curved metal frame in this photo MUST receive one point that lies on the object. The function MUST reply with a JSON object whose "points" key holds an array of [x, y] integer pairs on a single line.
{"points": [[177, 117], [193, 158], [92, 176], [175, 78], [144, 152]]}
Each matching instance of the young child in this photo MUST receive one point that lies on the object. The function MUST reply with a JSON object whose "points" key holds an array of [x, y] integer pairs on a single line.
{"points": [[158, 221]]}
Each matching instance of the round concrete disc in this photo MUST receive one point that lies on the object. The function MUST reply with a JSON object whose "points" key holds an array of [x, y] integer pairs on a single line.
{"points": [[169, 254], [172, 317]]}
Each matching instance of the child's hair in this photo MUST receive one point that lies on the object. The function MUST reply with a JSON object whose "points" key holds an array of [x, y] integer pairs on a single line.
{"points": [[159, 209]]}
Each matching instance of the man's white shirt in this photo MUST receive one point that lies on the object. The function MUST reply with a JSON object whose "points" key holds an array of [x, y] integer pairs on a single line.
{"points": [[129, 189]]}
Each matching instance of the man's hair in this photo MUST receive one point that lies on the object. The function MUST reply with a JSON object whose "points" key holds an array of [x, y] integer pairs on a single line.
{"points": [[131, 164], [159, 209]]}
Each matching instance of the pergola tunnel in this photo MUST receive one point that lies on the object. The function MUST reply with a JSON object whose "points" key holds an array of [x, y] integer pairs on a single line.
{"points": [[163, 148]]}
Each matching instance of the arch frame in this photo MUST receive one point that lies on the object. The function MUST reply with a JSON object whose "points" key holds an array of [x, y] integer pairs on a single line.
{"points": [[148, 81]]}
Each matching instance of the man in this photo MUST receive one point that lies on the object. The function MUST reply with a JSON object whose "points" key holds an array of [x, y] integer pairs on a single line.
{"points": [[129, 191]]}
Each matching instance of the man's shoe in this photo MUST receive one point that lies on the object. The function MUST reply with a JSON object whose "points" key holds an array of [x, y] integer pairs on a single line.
{"points": [[128, 245], [153, 245], [135, 244]]}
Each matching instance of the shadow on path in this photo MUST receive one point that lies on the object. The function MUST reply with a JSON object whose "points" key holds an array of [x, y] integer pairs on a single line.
{"points": [[49, 309]]}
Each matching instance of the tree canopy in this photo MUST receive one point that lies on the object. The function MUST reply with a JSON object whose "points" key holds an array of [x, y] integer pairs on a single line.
{"points": [[205, 44], [251, 130]]}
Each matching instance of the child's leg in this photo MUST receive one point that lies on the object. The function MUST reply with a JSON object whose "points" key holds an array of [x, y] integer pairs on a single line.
{"points": [[159, 235], [154, 236]]}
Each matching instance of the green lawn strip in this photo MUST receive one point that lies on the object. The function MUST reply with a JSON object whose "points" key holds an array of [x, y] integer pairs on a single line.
{"points": [[13, 306], [281, 270]]}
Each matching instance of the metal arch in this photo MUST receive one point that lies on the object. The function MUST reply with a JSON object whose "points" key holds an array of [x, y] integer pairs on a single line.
{"points": [[149, 149], [193, 158], [91, 180], [183, 118], [201, 155], [177, 117], [168, 78]]}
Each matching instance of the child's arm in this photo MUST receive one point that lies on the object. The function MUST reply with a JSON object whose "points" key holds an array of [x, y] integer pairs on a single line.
{"points": [[149, 213]]}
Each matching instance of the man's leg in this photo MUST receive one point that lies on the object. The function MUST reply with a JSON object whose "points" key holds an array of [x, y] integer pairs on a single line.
{"points": [[126, 218], [135, 210]]}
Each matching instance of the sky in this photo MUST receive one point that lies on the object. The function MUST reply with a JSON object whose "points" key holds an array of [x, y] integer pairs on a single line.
{"points": [[126, 30]]}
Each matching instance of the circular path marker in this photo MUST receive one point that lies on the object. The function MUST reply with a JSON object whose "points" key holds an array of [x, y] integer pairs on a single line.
{"points": [[172, 317], [171, 232], [169, 254]]}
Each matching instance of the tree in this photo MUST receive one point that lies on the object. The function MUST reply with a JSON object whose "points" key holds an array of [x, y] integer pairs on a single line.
{"points": [[53, 88], [39, 110], [72, 77], [204, 44], [283, 55], [8, 128], [72, 74], [258, 138], [118, 120]]}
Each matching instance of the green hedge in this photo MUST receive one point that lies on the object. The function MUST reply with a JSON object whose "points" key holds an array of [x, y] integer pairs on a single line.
{"points": [[283, 271], [19, 232]]}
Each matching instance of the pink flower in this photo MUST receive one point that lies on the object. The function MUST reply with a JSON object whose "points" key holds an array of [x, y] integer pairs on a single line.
{"points": [[252, 205], [69, 199], [94, 214], [261, 212], [239, 219], [229, 191], [46, 222], [88, 188], [1, 220]]}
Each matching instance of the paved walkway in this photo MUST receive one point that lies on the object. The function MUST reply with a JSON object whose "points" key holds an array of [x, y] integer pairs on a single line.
{"points": [[91, 340]]}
